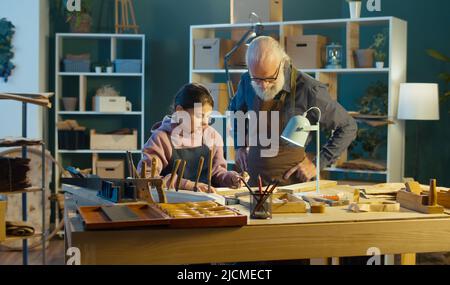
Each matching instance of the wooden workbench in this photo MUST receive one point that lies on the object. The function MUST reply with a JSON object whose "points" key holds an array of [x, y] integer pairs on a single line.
{"points": [[285, 237]]}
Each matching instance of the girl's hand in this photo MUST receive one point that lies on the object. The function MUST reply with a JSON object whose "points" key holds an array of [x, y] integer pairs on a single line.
{"points": [[202, 187]]}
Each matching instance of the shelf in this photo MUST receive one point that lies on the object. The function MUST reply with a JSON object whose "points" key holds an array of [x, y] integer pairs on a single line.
{"points": [[89, 151], [20, 191], [365, 21], [336, 169], [99, 36], [12, 142], [104, 74], [91, 113], [322, 70]]}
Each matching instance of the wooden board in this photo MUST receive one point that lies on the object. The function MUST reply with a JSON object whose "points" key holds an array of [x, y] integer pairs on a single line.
{"points": [[306, 187], [94, 218], [374, 207]]}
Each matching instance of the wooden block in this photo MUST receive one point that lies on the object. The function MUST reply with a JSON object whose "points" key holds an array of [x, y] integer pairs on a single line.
{"points": [[292, 204], [306, 187], [318, 208], [413, 187], [374, 207], [2, 220], [417, 203]]}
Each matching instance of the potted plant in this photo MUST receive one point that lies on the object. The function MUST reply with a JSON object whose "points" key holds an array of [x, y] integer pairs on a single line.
{"points": [[355, 8], [379, 42], [7, 30], [80, 21]]}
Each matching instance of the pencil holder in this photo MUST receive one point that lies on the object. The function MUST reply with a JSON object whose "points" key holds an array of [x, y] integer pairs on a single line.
{"points": [[261, 206]]}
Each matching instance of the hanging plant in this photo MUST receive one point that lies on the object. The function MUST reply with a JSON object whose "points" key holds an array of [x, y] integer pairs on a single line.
{"points": [[6, 53]]}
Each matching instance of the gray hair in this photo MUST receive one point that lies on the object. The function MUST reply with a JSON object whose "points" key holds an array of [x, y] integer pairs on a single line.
{"points": [[263, 47]]}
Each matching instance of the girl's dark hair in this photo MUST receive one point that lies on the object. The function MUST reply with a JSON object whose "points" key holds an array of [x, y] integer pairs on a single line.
{"points": [[191, 94]]}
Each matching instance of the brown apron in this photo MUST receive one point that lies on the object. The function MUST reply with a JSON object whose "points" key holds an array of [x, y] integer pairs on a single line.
{"points": [[274, 168]]}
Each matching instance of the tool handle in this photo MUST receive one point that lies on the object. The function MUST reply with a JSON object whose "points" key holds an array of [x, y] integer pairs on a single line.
{"points": [[210, 165], [180, 177], [153, 167], [143, 170], [199, 172], [174, 172], [432, 195]]}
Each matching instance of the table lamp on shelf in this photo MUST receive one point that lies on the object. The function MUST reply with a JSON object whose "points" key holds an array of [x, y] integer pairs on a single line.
{"points": [[297, 132], [419, 102]]}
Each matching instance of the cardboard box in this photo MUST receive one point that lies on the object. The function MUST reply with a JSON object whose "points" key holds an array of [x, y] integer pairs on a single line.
{"points": [[2, 220], [219, 92], [113, 142], [209, 53], [267, 10], [307, 52], [113, 169], [109, 104]]}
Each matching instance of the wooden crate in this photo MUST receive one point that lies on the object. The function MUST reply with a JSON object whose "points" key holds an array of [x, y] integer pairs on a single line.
{"points": [[94, 218], [2, 220], [114, 142]]}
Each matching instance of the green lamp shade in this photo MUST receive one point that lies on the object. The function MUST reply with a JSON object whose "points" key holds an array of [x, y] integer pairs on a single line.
{"points": [[297, 131]]}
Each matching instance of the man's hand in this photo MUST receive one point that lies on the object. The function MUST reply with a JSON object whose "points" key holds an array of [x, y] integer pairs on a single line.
{"points": [[305, 170], [241, 158]]}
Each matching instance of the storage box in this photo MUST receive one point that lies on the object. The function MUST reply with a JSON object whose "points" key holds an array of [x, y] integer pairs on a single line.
{"points": [[113, 169], [219, 93], [2, 220], [267, 10], [209, 53], [77, 65], [128, 65], [307, 52], [113, 142], [109, 104], [72, 139]]}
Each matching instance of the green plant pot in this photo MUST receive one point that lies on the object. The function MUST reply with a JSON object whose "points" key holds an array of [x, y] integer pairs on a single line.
{"points": [[81, 23], [364, 58]]}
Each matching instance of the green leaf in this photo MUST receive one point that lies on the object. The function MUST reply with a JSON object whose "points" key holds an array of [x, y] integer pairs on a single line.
{"points": [[437, 55]]}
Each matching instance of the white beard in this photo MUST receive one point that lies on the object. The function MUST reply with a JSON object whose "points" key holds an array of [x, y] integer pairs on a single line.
{"points": [[271, 92]]}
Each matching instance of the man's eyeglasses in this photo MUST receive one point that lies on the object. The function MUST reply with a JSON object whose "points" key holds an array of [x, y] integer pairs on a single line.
{"points": [[268, 79]]}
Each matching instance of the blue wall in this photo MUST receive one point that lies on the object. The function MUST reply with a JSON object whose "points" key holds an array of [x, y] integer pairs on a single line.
{"points": [[166, 25]]}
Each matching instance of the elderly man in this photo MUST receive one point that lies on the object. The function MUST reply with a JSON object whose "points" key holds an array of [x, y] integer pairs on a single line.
{"points": [[274, 84]]}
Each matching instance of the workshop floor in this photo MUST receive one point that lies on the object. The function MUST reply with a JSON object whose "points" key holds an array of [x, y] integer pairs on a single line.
{"points": [[55, 256]]}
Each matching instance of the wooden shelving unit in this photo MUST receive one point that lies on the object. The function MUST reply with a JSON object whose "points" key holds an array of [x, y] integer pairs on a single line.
{"points": [[395, 71], [24, 192], [112, 44]]}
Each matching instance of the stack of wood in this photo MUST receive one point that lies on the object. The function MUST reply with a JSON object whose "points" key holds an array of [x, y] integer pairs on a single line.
{"points": [[13, 174], [41, 99]]}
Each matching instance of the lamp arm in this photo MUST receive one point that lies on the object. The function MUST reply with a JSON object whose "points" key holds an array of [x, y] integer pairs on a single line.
{"points": [[317, 129], [228, 57]]}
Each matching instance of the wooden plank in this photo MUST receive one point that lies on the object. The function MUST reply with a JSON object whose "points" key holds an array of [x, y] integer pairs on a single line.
{"points": [[306, 187], [352, 42]]}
